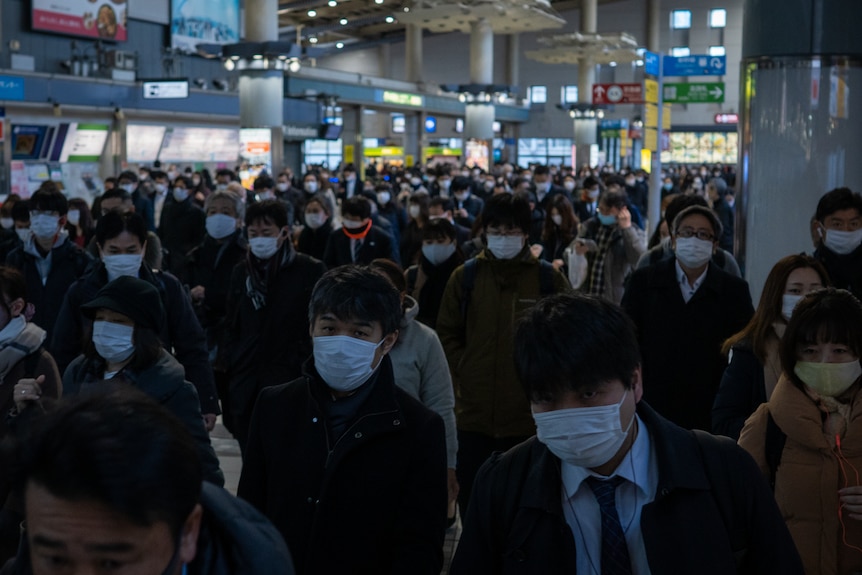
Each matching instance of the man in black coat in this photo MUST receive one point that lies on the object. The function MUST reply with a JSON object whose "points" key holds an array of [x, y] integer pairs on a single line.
{"points": [[358, 241], [837, 234], [467, 207], [444, 208], [348, 467], [639, 493], [48, 260], [141, 197], [182, 226], [266, 321], [716, 189], [685, 307]]}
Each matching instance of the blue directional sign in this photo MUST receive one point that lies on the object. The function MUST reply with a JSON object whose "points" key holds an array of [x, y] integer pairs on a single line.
{"points": [[11, 88], [651, 63], [697, 65]]}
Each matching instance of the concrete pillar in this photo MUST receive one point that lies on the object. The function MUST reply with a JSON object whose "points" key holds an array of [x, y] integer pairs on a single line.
{"points": [[803, 69], [413, 55], [585, 130], [589, 16], [481, 52], [513, 59], [261, 92], [653, 43], [411, 137]]}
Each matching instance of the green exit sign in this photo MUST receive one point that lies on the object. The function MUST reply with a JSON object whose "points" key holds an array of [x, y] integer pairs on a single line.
{"points": [[693, 92], [403, 99]]}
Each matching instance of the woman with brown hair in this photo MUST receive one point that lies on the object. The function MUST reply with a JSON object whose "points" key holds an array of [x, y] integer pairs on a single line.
{"points": [[559, 230], [754, 366]]}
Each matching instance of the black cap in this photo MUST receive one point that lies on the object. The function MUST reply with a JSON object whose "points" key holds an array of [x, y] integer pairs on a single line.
{"points": [[132, 297]]}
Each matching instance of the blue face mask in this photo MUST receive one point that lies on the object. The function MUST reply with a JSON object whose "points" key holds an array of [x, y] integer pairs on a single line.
{"points": [[606, 220]]}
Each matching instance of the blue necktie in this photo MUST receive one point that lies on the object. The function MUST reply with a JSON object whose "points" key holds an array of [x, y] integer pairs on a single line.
{"points": [[357, 246], [615, 552]]}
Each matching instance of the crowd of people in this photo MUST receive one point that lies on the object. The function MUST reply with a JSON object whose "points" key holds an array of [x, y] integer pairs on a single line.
{"points": [[520, 348]]}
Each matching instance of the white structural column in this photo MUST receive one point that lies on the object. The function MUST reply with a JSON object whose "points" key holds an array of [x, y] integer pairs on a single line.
{"points": [[261, 92], [413, 56], [654, 200], [585, 129], [479, 116]]}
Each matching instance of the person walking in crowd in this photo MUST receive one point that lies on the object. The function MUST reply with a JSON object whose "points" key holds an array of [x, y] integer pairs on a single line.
{"points": [[716, 190], [391, 211], [837, 232], [144, 205], [49, 261], [560, 229], [684, 309], [120, 200], [183, 227], [266, 321], [639, 494], [467, 206], [19, 232], [426, 281], [586, 207], [122, 239], [804, 438], [612, 246], [444, 208], [124, 347], [112, 482], [79, 222], [344, 456], [317, 229], [358, 241], [754, 366], [210, 265], [479, 307]]}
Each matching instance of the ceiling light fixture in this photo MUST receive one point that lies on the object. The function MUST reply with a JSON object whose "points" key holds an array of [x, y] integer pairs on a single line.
{"points": [[312, 13], [313, 39], [339, 45], [343, 21], [390, 19], [332, 3]]}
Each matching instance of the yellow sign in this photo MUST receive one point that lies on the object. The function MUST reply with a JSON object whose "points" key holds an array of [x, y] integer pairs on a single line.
{"points": [[349, 157], [437, 151], [403, 99], [650, 115], [665, 117], [387, 151], [646, 160], [651, 91], [409, 160], [651, 139]]}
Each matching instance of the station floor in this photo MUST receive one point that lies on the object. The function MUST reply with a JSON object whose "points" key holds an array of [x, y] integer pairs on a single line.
{"points": [[227, 450]]}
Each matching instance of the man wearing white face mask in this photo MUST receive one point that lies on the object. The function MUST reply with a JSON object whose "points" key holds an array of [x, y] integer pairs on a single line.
{"points": [[350, 184], [608, 486], [482, 300], [467, 206], [50, 262], [426, 281], [342, 454], [685, 307], [358, 240], [183, 226], [266, 319], [837, 232], [143, 203]]}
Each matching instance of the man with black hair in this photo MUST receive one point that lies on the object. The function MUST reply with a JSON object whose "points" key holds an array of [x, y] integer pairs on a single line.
{"points": [[266, 320], [224, 176], [50, 262], [144, 205], [161, 189], [586, 207], [685, 308], [467, 206], [20, 213], [120, 200], [545, 187], [481, 302], [350, 184], [112, 482], [183, 226], [444, 208], [612, 246], [350, 468], [837, 234], [716, 189], [358, 241], [608, 485]]}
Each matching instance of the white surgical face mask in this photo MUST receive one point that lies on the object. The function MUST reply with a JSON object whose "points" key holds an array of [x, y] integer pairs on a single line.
{"points": [[161, 189], [414, 211], [383, 198], [263, 248], [558, 219], [843, 242], [44, 226], [445, 183], [23, 234], [122, 265], [505, 247], [415, 181], [74, 217], [311, 187], [788, 303], [693, 252], [569, 185], [197, 181], [829, 379], [7, 223], [220, 225], [583, 436], [315, 219], [344, 362], [266, 195], [437, 253], [282, 186], [128, 187], [593, 194], [113, 341], [180, 194], [461, 196], [353, 225]]}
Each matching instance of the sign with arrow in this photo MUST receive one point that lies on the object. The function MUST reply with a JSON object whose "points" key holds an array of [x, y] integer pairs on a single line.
{"points": [[618, 94], [693, 93], [698, 65]]}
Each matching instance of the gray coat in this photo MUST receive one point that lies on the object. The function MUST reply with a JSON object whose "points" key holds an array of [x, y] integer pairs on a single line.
{"points": [[625, 250]]}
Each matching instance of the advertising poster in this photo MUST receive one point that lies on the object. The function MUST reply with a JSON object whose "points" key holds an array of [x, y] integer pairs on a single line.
{"points": [[84, 143], [103, 19], [196, 22]]}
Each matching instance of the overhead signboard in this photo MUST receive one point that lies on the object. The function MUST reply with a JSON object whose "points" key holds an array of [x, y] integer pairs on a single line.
{"points": [[11, 88], [196, 22], [402, 98], [651, 63], [693, 92], [200, 145], [166, 89], [102, 20], [698, 65], [618, 94], [727, 118], [143, 143], [84, 143]]}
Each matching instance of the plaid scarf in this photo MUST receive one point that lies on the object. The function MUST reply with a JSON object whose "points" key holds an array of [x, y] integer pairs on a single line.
{"points": [[597, 273]]}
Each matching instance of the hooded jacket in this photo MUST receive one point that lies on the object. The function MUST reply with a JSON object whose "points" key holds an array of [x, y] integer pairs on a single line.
{"points": [[165, 382]]}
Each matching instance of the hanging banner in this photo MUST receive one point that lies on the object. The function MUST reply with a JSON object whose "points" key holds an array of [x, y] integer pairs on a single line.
{"points": [[196, 22], [105, 20]]}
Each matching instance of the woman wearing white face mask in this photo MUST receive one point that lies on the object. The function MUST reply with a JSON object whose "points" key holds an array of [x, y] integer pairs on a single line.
{"points": [[805, 438], [411, 240], [317, 227], [754, 366], [79, 222], [426, 281], [182, 226], [559, 230], [388, 207], [124, 348]]}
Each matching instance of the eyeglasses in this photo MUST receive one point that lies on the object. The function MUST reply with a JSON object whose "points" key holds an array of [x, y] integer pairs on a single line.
{"points": [[497, 232], [699, 234]]}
